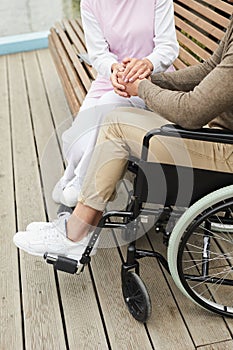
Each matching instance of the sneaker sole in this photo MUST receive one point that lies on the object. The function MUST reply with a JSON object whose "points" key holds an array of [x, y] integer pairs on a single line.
{"points": [[93, 252]]}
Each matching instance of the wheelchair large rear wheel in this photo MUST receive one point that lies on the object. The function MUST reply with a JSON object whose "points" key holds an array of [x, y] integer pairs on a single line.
{"points": [[200, 252]]}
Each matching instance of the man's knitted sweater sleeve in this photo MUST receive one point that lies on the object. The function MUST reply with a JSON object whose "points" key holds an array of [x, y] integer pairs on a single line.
{"points": [[192, 97]]}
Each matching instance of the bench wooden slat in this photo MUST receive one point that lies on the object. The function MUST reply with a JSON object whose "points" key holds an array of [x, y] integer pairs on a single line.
{"points": [[198, 22], [77, 26], [65, 70], [220, 5], [74, 59], [178, 64], [70, 96], [79, 21], [192, 46], [205, 11], [194, 33], [74, 36], [187, 58]]}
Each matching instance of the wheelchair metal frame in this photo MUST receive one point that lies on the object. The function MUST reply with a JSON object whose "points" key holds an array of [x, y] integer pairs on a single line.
{"points": [[130, 216]]}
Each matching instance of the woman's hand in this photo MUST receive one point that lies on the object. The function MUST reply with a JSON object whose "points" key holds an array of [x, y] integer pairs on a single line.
{"points": [[136, 69], [119, 88]]}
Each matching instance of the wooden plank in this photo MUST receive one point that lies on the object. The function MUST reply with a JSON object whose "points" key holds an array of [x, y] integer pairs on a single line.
{"points": [[74, 59], [47, 144], [77, 25], [84, 325], [221, 5], [68, 89], [178, 64], [123, 330], [74, 35], [10, 324], [225, 345], [191, 46], [71, 73], [195, 317], [198, 22], [187, 58], [91, 71], [206, 12], [42, 321], [201, 38]]}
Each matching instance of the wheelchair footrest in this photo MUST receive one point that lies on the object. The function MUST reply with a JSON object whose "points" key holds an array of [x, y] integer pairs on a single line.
{"points": [[62, 263]]}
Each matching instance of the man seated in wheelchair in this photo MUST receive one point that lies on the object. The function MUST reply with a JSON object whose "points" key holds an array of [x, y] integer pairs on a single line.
{"points": [[191, 98]]}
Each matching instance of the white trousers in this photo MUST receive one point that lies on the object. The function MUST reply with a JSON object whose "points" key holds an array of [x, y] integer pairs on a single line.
{"points": [[79, 140]]}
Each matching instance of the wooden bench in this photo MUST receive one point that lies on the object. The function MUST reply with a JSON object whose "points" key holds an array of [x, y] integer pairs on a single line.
{"points": [[200, 24]]}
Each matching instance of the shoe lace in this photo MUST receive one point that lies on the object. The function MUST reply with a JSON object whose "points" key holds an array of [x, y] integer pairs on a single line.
{"points": [[53, 233], [50, 233]]}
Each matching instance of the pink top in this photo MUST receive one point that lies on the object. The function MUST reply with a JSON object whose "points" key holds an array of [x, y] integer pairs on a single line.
{"points": [[115, 29]]}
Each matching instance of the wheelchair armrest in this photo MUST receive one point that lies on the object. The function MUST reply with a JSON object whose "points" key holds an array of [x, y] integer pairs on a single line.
{"points": [[203, 134]]}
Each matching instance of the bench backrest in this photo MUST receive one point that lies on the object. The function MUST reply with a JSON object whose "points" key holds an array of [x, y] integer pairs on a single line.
{"points": [[66, 42], [200, 24]]}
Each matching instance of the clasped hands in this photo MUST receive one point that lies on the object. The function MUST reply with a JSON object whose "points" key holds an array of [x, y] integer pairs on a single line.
{"points": [[127, 75]]}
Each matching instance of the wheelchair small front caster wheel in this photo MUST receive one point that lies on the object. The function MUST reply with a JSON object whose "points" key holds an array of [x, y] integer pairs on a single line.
{"points": [[136, 297]]}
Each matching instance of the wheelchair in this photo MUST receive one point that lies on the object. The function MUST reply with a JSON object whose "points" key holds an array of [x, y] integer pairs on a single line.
{"points": [[195, 218]]}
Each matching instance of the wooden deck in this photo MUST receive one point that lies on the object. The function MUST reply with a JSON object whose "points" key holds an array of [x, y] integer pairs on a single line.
{"points": [[41, 309]]}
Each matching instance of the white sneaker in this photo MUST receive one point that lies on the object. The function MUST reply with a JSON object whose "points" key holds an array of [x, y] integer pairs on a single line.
{"points": [[58, 189], [71, 192], [40, 225], [51, 240]]}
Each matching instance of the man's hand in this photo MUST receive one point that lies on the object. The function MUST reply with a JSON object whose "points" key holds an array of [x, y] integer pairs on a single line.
{"points": [[136, 69], [130, 88]]}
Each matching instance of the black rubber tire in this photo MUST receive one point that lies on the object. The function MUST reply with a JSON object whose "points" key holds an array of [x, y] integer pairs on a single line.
{"points": [[136, 297]]}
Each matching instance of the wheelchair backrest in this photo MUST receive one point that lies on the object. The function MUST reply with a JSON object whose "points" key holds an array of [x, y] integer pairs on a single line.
{"points": [[176, 185]]}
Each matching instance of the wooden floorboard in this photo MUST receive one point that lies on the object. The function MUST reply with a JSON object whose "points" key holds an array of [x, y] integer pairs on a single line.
{"points": [[10, 317], [42, 324], [44, 310]]}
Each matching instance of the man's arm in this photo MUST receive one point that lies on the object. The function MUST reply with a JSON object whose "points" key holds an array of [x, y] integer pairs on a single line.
{"points": [[186, 79], [193, 109]]}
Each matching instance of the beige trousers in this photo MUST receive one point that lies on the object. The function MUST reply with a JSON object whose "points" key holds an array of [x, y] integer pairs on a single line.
{"points": [[122, 135]]}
